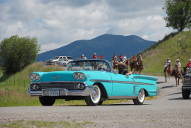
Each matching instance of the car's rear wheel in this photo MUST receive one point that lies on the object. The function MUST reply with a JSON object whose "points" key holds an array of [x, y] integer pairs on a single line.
{"points": [[95, 96], [140, 98], [46, 100], [185, 94]]}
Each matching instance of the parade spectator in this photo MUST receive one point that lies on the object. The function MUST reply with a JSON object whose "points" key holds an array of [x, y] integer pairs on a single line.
{"points": [[94, 56], [83, 57], [115, 62]]}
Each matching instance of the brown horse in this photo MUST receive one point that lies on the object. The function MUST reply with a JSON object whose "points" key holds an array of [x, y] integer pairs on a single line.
{"points": [[133, 66], [178, 75], [139, 67], [167, 72], [136, 66]]}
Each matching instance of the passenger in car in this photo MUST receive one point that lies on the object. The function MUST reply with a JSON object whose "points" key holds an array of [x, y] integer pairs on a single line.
{"points": [[122, 68]]}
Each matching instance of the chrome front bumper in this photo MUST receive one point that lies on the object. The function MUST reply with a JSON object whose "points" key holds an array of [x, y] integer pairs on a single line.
{"points": [[184, 87], [61, 92]]}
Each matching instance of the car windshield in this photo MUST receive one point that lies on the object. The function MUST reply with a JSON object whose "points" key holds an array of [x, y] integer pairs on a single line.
{"points": [[91, 65]]}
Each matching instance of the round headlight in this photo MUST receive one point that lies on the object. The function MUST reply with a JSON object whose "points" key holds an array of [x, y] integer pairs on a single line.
{"points": [[80, 86], [79, 76], [35, 87], [34, 76]]}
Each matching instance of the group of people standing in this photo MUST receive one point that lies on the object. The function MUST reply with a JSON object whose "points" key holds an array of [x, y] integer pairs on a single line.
{"points": [[122, 64], [175, 70], [94, 56]]}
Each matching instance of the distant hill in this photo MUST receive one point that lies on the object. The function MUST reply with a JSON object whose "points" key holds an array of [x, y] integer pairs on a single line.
{"points": [[105, 45], [173, 47]]}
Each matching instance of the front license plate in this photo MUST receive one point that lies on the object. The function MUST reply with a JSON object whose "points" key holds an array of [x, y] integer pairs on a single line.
{"points": [[187, 78], [53, 92]]}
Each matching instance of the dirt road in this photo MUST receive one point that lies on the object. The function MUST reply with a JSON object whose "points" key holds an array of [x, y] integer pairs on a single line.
{"points": [[168, 110]]}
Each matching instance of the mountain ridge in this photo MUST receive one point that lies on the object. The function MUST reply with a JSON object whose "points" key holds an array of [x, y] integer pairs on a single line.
{"points": [[105, 45]]}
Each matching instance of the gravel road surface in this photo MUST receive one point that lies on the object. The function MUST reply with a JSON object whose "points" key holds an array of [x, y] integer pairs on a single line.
{"points": [[168, 110]]}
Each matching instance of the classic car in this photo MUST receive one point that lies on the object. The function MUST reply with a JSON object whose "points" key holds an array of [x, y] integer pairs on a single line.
{"points": [[91, 80], [186, 86]]}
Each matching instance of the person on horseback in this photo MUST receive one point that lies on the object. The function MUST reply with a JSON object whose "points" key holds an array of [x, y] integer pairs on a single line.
{"points": [[133, 63], [177, 71], [139, 64], [167, 68], [178, 65], [167, 64]]}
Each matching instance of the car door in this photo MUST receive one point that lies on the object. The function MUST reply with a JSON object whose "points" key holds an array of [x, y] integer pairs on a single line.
{"points": [[122, 85]]}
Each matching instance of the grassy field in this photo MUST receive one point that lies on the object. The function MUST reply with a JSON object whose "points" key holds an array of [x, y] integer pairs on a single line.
{"points": [[175, 47], [43, 124]]}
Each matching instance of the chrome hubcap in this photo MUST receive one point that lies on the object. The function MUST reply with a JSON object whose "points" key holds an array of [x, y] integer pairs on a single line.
{"points": [[141, 96], [95, 94]]}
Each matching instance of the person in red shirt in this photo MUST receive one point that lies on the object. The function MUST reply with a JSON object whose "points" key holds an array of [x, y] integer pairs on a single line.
{"points": [[94, 56], [188, 65]]}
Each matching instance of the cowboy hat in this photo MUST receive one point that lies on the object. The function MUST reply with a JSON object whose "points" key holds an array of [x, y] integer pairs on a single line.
{"points": [[177, 60]]}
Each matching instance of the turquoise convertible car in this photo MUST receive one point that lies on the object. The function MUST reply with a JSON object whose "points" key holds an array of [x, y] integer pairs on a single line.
{"points": [[91, 80]]}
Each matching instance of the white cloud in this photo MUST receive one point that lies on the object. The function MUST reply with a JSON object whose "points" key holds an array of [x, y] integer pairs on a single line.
{"points": [[58, 22]]}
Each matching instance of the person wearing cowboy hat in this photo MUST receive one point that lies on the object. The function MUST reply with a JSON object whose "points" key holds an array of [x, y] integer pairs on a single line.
{"points": [[178, 71], [83, 57], [167, 63], [177, 66]]}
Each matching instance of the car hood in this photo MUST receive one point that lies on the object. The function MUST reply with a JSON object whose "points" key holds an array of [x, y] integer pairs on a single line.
{"points": [[61, 76]]}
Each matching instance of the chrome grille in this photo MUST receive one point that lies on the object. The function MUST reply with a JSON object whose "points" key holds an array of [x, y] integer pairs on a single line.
{"points": [[66, 85], [187, 80]]}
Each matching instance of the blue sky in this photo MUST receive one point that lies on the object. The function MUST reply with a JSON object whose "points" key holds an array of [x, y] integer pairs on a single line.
{"points": [[58, 22]]}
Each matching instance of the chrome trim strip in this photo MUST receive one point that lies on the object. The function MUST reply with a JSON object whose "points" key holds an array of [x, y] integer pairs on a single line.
{"points": [[58, 82], [144, 77], [121, 97], [125, 82], [85, 92]]}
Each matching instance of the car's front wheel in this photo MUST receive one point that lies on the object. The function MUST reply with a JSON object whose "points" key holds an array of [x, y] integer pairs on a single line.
{"points": [[46, 100], [185, 94], [95, 96], [140, 98]]}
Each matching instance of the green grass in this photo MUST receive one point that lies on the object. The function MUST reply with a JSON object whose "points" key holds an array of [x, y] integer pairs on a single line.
{"points": [[43, 124], [175, 47]]}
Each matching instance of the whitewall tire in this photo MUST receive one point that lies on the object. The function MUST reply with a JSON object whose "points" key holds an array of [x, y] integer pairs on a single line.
{"points": [[95, 96], [140, 98]]}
